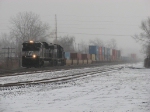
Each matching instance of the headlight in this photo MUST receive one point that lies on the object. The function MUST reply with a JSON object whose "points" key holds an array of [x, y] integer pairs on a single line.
{"points": [[34, 56], [31, 41]]}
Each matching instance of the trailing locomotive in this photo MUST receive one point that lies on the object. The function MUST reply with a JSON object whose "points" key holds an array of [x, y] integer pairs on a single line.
{"points": [[34, 54], [147, 62]]}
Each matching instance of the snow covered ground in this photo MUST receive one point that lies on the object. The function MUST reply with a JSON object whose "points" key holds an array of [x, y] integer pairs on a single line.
{"points": [[126, 90]]}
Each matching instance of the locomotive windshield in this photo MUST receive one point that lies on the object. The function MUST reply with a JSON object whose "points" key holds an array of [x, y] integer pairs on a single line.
{"points": [[31, 46]]}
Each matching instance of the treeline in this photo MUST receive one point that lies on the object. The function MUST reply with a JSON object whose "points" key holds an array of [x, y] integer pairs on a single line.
{"points": [[27, 26]]}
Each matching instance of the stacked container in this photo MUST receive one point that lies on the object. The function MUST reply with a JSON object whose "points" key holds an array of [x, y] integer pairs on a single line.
{"points": [[75, 56], [93, 57], [103, 53], [119, 54], [133, 57], [84, 56], [113, 54], [67, 55], [100, 53], [89, 56], [94, 50], [108, 54]]}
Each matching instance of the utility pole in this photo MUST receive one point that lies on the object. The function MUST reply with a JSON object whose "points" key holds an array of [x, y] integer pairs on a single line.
{"points": [[56, 27]]}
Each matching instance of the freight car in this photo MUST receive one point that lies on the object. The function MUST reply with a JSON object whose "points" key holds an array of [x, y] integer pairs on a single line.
{"points": [[34, 54]]}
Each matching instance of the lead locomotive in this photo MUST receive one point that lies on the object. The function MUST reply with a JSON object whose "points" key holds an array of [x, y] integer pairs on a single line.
{"points": [[34, 54]]}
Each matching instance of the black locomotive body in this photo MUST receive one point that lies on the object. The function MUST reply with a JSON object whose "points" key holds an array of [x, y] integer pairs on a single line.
{"points": [[147, 62], [34, 54]]}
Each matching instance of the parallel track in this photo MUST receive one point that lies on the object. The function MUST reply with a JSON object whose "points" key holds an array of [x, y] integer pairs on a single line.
{"points": [[57, 79]]}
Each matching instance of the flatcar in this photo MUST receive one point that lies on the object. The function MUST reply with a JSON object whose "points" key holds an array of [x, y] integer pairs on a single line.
{"points": [[35, 54]]}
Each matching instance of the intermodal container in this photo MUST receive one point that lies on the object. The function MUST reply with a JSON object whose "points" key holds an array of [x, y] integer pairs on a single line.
{"points": [[67, 55], [108, 51], [109, 58], [103, 51], [75, 56], [93, 57], [105, 58], [83, 56], [113, 52], [133, 56], [119, 54], [101, 57], [97, 56], [100, 50], [93, 50], [115, 56], [89, 56], [69, 62]]}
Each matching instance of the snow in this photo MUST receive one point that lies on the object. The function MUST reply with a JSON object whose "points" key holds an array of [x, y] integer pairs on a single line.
{"points": [[126, 90], [46, 75]]}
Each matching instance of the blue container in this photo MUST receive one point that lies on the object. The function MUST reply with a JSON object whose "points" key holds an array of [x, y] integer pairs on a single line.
{"points": [[67, 55], [103, 51], [108, 51], [93, 50]]}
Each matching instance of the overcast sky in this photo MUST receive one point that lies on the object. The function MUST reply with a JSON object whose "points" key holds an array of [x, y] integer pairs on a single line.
{"points": [[85, 19]]}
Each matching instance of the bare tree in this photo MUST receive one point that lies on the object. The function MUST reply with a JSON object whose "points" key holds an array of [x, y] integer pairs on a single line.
{"points": [[27, 26], [112, 44], [144, 36], [6, 41], [83, 47], [96, 42], [66, 42]]}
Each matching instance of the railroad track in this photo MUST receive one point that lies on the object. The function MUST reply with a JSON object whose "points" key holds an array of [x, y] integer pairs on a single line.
{"points": [[22, 71], [59, 78]]}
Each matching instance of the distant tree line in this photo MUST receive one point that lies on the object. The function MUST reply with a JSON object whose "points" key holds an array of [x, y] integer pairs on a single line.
{"points": [[27, 26]]}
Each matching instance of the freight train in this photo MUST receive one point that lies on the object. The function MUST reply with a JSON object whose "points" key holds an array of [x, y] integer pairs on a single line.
{"points": [[34, 54]]}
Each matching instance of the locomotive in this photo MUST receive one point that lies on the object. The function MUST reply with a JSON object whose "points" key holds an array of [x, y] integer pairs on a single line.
{"points": [[34, 54], [147, 62]]}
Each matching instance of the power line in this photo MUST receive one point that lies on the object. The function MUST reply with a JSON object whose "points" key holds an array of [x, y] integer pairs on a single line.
{"points": [[98, 16], [98, 34]]}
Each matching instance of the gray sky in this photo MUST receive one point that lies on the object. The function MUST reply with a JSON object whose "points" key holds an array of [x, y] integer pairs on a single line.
{"points": [[85, 19]]}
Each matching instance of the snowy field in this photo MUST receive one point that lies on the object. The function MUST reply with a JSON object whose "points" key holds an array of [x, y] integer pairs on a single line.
{"points": [[126, 90]]}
